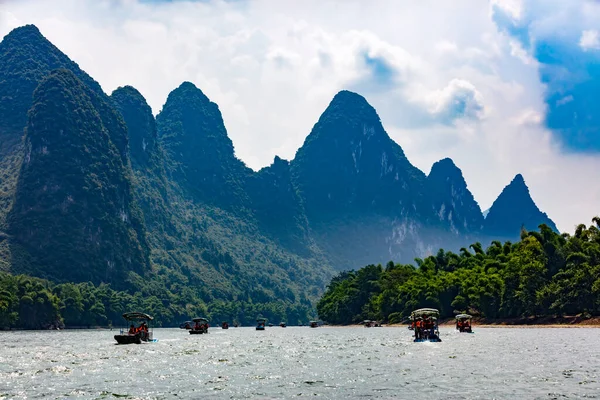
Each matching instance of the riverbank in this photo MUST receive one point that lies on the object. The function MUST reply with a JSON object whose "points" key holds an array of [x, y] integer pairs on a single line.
{"points": [[535, 322], [532, 322]]}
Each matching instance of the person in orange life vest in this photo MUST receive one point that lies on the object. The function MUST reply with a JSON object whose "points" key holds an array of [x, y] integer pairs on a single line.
{"points": [[418, 330]]}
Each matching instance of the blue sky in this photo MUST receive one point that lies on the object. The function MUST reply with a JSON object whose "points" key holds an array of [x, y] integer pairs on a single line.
{"points": [[500, 86], [569, 65]]}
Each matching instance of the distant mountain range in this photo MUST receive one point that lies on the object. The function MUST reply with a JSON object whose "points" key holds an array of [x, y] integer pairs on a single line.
{"points": [[94, 188]]}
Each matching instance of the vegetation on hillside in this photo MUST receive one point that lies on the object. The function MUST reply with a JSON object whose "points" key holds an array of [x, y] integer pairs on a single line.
{"points": [[200, 155], [226, 258], [33, 303], [545, 273], [26, 58], [74, 210]]}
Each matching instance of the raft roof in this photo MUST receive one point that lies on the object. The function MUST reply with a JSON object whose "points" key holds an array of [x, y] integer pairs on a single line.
{"points": [[200, 319], [136, 316], [463, 316], [425, 311]]}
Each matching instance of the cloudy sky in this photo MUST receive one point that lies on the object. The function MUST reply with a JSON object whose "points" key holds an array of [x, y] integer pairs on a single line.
{"points": [[502, 87]]}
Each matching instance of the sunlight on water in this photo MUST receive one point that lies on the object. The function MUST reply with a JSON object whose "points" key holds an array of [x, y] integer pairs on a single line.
{"points": [[298, 361]]}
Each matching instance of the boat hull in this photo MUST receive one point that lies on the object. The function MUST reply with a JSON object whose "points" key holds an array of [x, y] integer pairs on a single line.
{"points": [[260, 328], [128, 339], [198, 332], [435, 340]]}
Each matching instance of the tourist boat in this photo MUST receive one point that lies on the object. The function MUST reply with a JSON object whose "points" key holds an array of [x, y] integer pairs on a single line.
{"points": [[426, 325], [225, 325], [368, 323], [186, 325], [282, 324], [136, 335], [314, 324], [260, 324], [200, 326], [463, 323]]}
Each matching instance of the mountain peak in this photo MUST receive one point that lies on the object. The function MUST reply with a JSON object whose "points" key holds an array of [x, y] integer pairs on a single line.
{"points": [[350, 105], [25, 32], [518, 187], [519, 180], [445, 162], [129, 91], [187, 85], [445, 166], [193, 134], [192, 108], [348, 96], [189, 90], [349, 162], [513, 209], [26, 58], [445, 169], [451, 199], [141, 126]]}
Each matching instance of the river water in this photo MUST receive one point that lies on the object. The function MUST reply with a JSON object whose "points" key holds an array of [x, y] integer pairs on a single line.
{"points": [[238, 363]]}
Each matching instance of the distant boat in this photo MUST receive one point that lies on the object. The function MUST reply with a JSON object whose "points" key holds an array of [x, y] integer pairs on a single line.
{"points": [[463, 323], [260, 324], [200, 326], [314, 324], [282, 324], [136, 335], [225, 325], [186, 325]]}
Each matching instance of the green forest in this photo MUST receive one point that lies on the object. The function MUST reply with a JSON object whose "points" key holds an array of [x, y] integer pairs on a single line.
{"points": [[32, 303], [544, 274]]}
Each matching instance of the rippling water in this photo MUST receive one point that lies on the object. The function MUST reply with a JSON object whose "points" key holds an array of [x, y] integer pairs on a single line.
{"points": [[299, 361]]}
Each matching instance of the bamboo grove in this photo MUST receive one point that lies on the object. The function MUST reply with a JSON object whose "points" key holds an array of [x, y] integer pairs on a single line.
{"points": [[544, 274]]}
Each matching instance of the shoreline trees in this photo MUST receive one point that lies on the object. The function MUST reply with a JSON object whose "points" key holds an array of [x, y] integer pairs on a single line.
{"points": [[543, 274]]}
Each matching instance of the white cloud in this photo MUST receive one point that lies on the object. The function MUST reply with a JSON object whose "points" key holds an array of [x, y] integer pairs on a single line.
{"points": [[443, 79], [514, 8], [590, 40], [459, 99], [529, 117]]}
